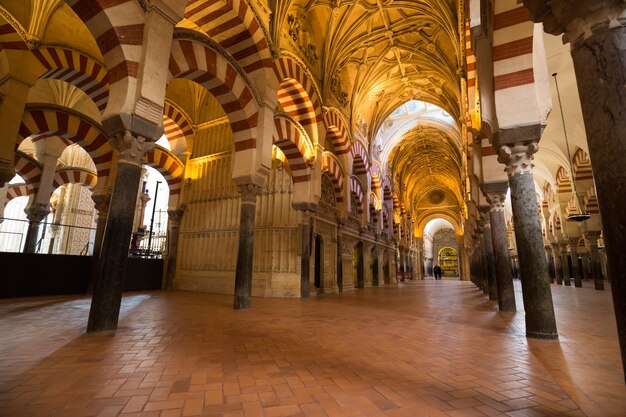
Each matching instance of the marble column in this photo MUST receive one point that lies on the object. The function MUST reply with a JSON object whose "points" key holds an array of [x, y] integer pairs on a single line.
{"points": [[576, 272], [173, 229], [550, 260], [375, 275], [536, 292], [101, 201], [565, 265], [35, 214], [558, 265], [305, 257], [243, 273], [489, 259], [499, 240], [596, 270], [107, 295]]}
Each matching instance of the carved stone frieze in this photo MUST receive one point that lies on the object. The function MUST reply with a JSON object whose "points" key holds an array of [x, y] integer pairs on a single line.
{"points": [[299, 29]]}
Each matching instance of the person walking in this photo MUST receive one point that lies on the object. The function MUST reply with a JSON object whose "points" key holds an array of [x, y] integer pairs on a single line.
{"points": [[437, 272]]}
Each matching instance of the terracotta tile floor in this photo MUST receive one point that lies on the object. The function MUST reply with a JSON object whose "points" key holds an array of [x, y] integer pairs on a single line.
{"points": [[427, 348]]}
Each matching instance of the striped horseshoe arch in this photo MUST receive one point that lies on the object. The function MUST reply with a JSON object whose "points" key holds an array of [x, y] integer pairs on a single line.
{"points": [[396, 203], [356, 189], [582, 166], [336, 131], [168, 165], [199, 63], [297, 93], [360, 162], [77, 69], [331, 165], [177, 126], [16, 190], [295, 145], [375, 182], [75, 175], [29, 169], [591, 201], [562, 181], [233, 25], [40, 122]]}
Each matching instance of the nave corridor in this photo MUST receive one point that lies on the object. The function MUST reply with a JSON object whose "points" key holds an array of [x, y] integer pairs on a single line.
{"points": [[423, 348]]}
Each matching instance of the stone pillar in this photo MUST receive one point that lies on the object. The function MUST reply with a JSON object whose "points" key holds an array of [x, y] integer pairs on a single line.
{"points": [[35, 215], [489, 258], [550, 260], [495, 195], [305, 257], [345, 253], [540, 319], [243, 274], [596, 271], [173, 229], [597, 31], [576, 272], [567, 273], [102, 201], [375, 275], [107, 296], [558, 268]]}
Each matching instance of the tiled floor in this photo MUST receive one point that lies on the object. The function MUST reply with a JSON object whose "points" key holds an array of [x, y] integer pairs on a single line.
{"points": [[427, 348]]}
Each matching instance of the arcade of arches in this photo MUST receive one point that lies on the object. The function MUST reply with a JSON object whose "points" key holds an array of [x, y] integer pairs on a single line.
{"points": [[316, 147]]}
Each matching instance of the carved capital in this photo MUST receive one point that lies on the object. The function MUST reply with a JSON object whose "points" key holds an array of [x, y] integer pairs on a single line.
{"points": [[175, 216], [101, 202], [518, 158], [131, 149], [496, 201], [37, 212], [248, 193], [592, 238]]}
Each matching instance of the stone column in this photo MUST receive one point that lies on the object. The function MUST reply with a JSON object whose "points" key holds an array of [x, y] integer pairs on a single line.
{"points": [[567, 273], [375, 276], [347, 247], [102, 201], [540, 319], [107, 296], [597, 32], [576, 272], [550, 260], [339, 261], [495, 195], [558, 268], [173, 229], [35, 215], [489, 259], [305, 257], [243, 274], [596, 271]]}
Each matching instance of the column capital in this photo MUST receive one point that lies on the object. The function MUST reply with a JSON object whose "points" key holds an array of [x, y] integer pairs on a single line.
{"points": [[518, 157], [496, 201], [101, 202], [132, 149], [577, 20], [592, 236], [36, 212], [248, 192], [176, 215]]}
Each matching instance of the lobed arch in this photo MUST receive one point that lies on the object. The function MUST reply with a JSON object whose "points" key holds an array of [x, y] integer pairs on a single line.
{"points": [[332, 166], [169, 166], [177, 127], [77, 69], [75, 175], [360, 164], [295, 144], [297, 92], [336, 131], [233, 25], [356, 189], [43, 121], [198, 62]]}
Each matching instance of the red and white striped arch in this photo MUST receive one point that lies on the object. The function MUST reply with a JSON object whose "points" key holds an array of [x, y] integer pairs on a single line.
{"points": [[360, 160], [563, 182], [582, 166], [234, 27], [470, 60], [77, 69], [332, 166], [356, 189], [197, 62], [117, 26], [297, 93], [396, 202], [40, 122], [177, 127], [294, 144], [18, 189], [336, 131], [75, 175], [168, 165], [591, 201], [29, 169], [375, 179]]}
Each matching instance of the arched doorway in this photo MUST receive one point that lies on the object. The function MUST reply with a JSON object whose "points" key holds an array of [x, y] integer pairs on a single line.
{"points": [[448, 261]]}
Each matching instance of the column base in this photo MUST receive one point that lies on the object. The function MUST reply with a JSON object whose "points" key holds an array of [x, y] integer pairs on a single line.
{"points": [[544, 336]]}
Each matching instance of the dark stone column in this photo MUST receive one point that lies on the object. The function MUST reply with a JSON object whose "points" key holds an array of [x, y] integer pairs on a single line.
{"points": [[540, 319], [305, 258], [550, 260], [594, 254], [339, 261], [489, 259], [102, 201], [107, 296], [360, 266], [35, 214], [243, 274], [565, 265], [174, 217], [375, 267], [558, 268], [496, 194], [576, 272], [483, 263]]}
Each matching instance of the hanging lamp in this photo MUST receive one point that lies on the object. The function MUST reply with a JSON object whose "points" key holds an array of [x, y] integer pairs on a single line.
{"points": [[579, 215]]}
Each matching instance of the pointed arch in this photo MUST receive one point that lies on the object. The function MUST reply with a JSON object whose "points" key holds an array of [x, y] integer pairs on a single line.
{"points": [[332, 166], [360, 162], [43, 121], [336, 131], [297, 92], [75, 175], [168, 165], [197, 62], [356, 189], [294, 143]]}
